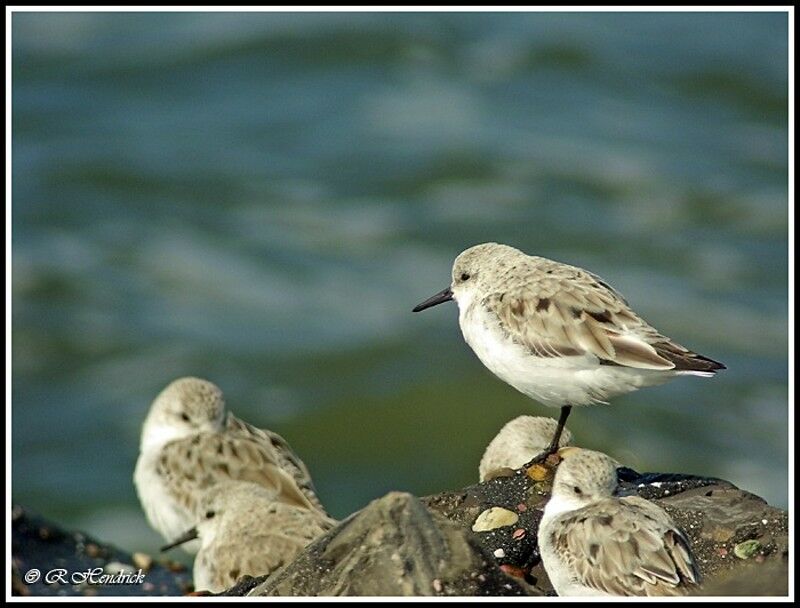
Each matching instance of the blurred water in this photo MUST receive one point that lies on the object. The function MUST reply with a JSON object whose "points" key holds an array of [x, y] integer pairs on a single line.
{"points": [[260, 199]]}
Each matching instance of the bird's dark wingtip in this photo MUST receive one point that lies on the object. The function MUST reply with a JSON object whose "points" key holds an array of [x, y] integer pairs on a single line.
{"points": [[686, 360], [714, 365]]}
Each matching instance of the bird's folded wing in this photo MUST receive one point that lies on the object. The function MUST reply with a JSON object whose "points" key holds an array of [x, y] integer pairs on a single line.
{"points": [[581, 316], [283, 454], [204, 460], [623, 549]]}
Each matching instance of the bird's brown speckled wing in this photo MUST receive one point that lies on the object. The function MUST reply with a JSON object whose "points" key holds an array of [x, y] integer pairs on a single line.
{"points": [[283, 454], [198, 462], [626, 547], [561, 311]]}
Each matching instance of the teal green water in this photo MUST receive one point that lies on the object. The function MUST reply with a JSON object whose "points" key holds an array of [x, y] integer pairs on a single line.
{"points": [[260, 199]]}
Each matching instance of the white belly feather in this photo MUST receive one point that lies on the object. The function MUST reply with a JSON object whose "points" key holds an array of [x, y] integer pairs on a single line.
{"points": [[163, 512], [553, 381]]}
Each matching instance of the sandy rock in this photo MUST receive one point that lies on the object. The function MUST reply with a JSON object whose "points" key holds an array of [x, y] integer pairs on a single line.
{"points": [[400, 545], [393, 547]]}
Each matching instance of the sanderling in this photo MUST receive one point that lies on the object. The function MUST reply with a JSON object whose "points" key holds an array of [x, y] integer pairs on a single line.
{"points": [[595, 543], [557, 333], [244, 528], [189, 442], [519, 441]]}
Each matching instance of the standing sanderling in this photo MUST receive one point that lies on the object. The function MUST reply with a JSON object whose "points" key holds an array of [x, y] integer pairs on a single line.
{"points": [[189, 443], [244, 528], [595, 543], [519, 441], [557, 333]]}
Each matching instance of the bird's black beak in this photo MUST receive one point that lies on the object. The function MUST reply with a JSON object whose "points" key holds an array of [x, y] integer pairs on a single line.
{"points": [[443, 296], [183, 538]]}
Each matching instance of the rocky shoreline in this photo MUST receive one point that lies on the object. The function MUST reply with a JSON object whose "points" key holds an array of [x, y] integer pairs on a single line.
{"points": [[477, 541], [40, 545]]}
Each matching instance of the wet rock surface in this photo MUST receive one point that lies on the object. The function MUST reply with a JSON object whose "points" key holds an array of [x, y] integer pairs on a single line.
{"points": [[441, 545], [730, 529], [394, 546], [514, 547], [717, 517], [38, 545]]}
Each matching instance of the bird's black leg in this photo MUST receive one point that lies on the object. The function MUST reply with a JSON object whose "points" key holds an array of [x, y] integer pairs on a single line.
{"points": [[553, 447], [562, 421]]}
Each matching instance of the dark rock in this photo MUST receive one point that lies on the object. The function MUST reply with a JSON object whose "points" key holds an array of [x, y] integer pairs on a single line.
{"points": [[756, 579], [397, 547], [515, 492], [37, 544], [243, 586], [717, 518], [402, 545]]}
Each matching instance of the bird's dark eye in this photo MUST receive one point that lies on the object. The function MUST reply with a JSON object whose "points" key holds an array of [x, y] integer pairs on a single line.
{"points": [[577, 490], [210, 514], [465, 276], [185, 417]]}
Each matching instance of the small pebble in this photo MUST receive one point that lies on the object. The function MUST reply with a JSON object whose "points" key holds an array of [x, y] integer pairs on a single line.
{"points": [[92, 550], [143, 561], [496, 517], [437, 585], [518, 533], [499, 553], [538, 472], [747, 549], [522, 507], [175, 566], [513, 570]]}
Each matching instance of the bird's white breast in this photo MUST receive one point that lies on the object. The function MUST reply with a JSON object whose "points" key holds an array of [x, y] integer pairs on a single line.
{"points": [[553, 381], [163, 512]]}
